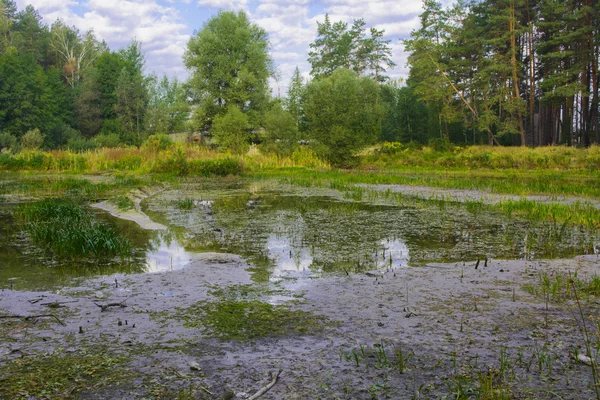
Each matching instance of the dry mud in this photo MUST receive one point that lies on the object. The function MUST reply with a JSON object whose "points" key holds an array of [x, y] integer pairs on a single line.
{"points": [[449, 322]]}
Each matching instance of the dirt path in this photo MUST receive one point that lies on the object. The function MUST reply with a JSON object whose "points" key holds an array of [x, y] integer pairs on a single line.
{"points": [[411, 333]]}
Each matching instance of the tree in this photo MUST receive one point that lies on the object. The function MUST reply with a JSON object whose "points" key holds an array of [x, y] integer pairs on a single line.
{"points": [[343, 113], [132, 100], [231, 130], [230, 64], [336, 46], [77, 54], [293, 102], [281, 130], [167, 108]]}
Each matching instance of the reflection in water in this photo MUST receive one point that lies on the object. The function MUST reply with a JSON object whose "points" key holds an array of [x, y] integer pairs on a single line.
{"points": [[166, 255], [297, 234], [288, 260]]}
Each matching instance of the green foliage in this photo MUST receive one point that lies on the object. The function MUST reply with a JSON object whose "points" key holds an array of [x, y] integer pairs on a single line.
{"points": [[230, 67], [230, 319], [70, 232], [107, 140], [217, 167], [59, 375], [337, 46], [32, 139], [295, 94], [281, 131], [343, 113], [159, 142], [7, 141], [231, 130], [168, 108]]}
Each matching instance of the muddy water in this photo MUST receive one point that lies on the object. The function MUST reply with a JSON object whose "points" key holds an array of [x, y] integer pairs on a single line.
{"points": [[294, 233]]}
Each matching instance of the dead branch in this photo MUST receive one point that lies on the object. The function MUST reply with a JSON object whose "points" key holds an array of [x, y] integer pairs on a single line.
{"points": [[57, 304], [267, 387], [28, 317], [105, 307]]}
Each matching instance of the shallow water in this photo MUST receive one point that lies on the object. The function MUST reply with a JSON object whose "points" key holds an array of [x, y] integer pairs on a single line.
{"points": [[295, 233]]}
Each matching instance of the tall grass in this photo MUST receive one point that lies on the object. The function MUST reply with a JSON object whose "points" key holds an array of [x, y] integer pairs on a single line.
{"points": [[70, 232]]}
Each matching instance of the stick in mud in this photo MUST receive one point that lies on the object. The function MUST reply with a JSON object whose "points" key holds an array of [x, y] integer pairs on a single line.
{"points": [[105, 307], [267, 387], [28, 317]]}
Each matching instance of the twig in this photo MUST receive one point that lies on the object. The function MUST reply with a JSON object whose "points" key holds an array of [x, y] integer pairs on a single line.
{"points": [[56, 304], [28, 317], [206, 390], [105, 307], [267, 387]]}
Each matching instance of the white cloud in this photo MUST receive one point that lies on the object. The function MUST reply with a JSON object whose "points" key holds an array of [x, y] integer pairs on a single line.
{"points": [[291, 25]]}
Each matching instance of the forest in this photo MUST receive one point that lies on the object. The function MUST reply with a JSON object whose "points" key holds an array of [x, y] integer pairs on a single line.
{"points": [[497, 72]]}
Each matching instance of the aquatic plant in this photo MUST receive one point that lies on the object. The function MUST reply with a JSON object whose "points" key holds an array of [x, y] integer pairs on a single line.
{"points": [[70, 232]]}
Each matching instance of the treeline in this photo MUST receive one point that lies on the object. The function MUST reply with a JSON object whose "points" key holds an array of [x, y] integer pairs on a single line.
{"points": [[481, 72], [517, 71], [62, 88]]}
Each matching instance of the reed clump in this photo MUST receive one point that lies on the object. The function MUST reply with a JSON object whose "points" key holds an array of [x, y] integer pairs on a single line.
{"points": [[70, 232]]}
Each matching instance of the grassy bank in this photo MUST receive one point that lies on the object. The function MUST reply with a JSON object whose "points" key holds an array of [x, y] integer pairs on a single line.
{"points": [[550, 171]]}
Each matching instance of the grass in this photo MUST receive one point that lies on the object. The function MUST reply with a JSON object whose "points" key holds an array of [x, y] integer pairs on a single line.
{"points": [[558, 286], [248, 319], [185, 204], [240, 314], [59, 375], [70, 232]]}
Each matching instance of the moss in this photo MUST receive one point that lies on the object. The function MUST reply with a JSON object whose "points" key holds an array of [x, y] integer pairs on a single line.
{"points": [[59, 375], [249, 319]]}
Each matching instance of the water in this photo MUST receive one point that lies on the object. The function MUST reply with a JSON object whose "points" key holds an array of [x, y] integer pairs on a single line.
{"points": [[294, 234]]}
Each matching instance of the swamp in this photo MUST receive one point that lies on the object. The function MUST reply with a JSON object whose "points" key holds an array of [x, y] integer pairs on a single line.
{"points": [[311, 283]]}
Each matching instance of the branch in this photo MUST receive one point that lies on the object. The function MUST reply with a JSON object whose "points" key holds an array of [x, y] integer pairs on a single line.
{"points": [[105, 307], [454, 88], [267, 387], [28, 317]]}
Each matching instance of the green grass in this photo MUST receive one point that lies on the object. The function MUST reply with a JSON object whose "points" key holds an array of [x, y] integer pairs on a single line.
{"points": [[249, 319], [557, 286], [69, 232], [58, 375], [184, 204]]}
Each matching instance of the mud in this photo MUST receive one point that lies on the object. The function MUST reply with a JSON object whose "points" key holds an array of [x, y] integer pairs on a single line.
{"points": [[447, 320], [428, 332]]}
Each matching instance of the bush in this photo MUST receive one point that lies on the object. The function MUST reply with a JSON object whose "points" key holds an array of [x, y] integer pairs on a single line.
{"points": [[391, 148], [218, 166], [441, 145], [231, 130], [110, 140], [80, 144], [7, 141], [156, 143], [32, 139]]}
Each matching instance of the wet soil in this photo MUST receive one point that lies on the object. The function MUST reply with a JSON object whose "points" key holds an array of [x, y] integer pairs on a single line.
{"points": [[434, 331], [447, 321]]}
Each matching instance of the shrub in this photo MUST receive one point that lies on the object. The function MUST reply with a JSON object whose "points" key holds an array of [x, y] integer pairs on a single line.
{"points": [[110, 140], [217, 166], [7, 141], [391, 148], [32, 139], [441, 145], [231, 130], [78, 143], [159, 142]]}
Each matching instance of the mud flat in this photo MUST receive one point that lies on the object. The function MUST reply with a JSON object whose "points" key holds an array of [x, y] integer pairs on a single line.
{"points": [[416, 332]]}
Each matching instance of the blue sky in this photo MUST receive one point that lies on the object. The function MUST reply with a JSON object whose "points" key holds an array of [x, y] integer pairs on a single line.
{"points": [[165, 26]]}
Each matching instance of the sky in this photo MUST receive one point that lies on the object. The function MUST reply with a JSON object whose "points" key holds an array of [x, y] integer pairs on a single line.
{"points": [[165, 26]]}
